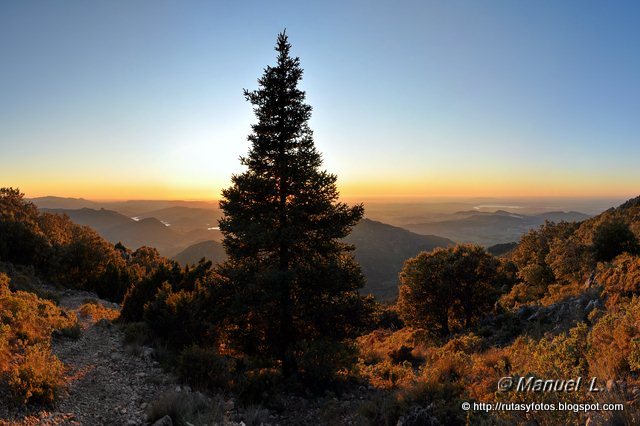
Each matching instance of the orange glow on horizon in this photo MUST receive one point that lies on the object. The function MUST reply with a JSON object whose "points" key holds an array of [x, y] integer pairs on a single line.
{"points": [[352, 191]]}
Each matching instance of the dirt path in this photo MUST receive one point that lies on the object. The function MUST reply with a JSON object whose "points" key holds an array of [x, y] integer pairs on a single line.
{"points": [[107, 385]]}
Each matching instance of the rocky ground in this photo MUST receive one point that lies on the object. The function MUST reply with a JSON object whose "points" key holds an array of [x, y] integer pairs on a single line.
{"points": [[107, 383], [110, 383]]}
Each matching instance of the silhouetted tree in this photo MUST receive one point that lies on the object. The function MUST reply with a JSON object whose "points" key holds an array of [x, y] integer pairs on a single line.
{"points": [[449, 287], [294, 281]]}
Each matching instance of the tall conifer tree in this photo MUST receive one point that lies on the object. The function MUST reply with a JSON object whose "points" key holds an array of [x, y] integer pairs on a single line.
{"points": [[294, 283]]}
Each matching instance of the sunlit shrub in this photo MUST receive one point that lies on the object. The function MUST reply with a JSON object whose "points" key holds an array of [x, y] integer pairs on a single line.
{"points": [[97, 311], [613, 340], [37, 376], [620, 279]]}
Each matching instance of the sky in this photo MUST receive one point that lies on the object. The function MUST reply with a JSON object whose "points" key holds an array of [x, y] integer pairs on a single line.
{"points": [[143, 99]]}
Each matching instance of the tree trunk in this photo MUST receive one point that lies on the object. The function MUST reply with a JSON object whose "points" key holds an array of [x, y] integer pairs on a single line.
{"points": [[286, 310]]}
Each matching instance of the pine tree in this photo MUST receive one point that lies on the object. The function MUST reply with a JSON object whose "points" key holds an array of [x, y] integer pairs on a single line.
{"points": [[294, 283]]}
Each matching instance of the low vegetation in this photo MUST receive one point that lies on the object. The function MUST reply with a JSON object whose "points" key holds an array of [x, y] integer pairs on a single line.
{"points": [[29, 372]]}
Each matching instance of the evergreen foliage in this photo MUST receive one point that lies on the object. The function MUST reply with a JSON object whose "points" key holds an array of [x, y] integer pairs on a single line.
{"points": [[294, 282]]}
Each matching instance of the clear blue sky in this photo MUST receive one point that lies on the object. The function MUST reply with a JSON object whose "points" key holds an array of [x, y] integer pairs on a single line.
{"points": [[122, 99]]}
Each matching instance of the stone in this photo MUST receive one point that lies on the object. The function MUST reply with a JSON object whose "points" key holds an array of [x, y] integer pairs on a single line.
{"points": [[165, 421]]}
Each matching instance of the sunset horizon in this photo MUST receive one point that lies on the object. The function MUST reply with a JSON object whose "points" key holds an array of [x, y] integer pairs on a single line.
{"points": [[515, 102]]}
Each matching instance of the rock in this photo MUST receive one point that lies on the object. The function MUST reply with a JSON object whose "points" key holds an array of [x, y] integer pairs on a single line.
{"points": [[590, 306], [165, 421], [103, 323], [147, 353]]}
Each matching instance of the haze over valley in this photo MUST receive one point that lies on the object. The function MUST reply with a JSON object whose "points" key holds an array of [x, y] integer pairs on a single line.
{"points": [[188, 230]]}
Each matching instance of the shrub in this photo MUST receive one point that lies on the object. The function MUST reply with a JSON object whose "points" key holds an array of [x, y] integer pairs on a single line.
{"points": [[612, 238], [137, 296], [37, 376], [97, 311], [621, 279], [321, 362], [72, 332], [175, 317], [614, 341], [258, 385], [136, 333], [28, 370], [388, 375], [204, 367], [187, 408]]}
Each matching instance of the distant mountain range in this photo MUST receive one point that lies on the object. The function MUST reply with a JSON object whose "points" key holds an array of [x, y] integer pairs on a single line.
{"points": [[187, 231], [490, 228], [128, 208], [381, 250], [141, 231]]}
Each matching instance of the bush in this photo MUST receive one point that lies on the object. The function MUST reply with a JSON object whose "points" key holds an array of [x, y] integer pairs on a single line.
{"points": [[136, 333], [204, 368], [72, 332], [178, 318], [621, 279], [322, 362], [614, 342], [37, 376], [187, 408], [28, 370], [258, 385], [97, 311], [612, 238]]}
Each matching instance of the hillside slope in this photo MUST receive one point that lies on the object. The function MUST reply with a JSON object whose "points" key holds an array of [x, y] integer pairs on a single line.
{"points": [[381, 250], [210, 250], [145, 231]]}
